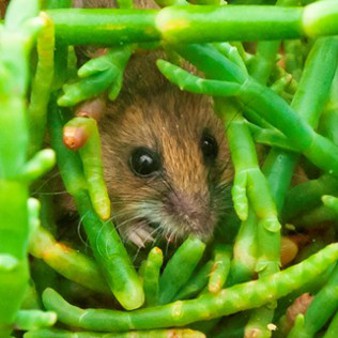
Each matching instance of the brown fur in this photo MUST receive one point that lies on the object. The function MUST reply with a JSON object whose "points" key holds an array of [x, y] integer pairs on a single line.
{"points": [[187, 194]]}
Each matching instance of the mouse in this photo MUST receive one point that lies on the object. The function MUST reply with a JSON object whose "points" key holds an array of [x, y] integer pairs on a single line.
{"points": [[166, 161]]}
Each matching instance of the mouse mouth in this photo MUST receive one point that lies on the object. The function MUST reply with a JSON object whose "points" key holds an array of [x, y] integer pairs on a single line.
{"points": [[142, 232], [153, 225], [159, 231]]}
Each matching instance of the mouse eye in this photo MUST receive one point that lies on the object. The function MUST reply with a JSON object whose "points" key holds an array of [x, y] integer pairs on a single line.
{"points": [[209, 148], [144, 162]]}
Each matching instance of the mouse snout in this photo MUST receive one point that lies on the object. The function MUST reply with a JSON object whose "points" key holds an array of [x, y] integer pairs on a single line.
{"points": [[191, 212]]}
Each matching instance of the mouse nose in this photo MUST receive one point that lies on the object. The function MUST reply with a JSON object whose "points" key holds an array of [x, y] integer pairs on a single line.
{"points": [[191, 212]]}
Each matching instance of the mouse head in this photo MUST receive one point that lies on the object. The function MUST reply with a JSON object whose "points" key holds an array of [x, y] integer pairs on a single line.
{"points": [[166, 165]]}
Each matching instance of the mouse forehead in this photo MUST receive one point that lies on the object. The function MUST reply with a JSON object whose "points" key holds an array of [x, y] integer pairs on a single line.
{"points": [[182, 118]]}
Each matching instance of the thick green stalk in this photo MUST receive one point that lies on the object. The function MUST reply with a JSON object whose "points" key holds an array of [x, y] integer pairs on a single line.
{"points": [[151, 275], [264, 60], [117, 26], [249, 183], [320, 68], [169, 333], [328, 121], [164, 3], [176, 24], [323, 306], [15, 18], [125, 3], [85, 130], [16, 40], [68, 262], [266, 54], [306, 196], [220, 269], [329, 118], [105, 242], [320, 215], [308, 102], [57, 3], [97, 76], [294, 55], [196, 283], [86, 88], [185, 258], [34, 319], [332, 330], [331, 202], [237, 298], [279, 165], [251, 190], [318, 149], [244, 251], [323, 50], [41, 86]]}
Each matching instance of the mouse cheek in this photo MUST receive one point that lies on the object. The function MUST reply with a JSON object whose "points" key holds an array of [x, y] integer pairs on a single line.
{"points": [[136, 210]]}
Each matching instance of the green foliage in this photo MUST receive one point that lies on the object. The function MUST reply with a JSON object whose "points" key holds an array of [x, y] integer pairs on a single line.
{"points": [[277, 91]]}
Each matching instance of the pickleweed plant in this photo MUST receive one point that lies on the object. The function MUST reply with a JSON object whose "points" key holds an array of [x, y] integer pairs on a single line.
{"points": [[270, 69]]}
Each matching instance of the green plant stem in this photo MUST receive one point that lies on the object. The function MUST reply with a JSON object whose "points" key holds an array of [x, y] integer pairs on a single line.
{"points": [[176, 24], [237, 298], [98, 75], [332, 330], [323, 306], [331, 202], [315, 217], [34, 319], [125, 3], [306, 196], [244, 251], [264, 60], [58, 3], [106, 244], [67, 261], [329, 118], [196, 283], [169, 333], [230, 72], [220, 269], [151, 276], [41, 86], [253, 186], [308, 102], [16, 40], [185, 258], [279, 164], [328, 122], [318, 149], [270, 137], [90, 153], [266, 54]]}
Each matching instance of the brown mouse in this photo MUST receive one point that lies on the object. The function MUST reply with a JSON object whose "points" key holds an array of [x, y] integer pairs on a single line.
{"points": [[166, 161], [165, 158]]}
